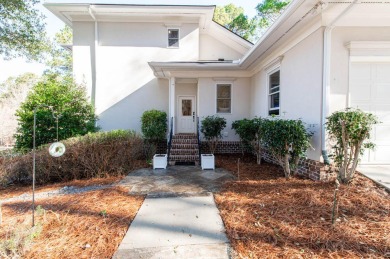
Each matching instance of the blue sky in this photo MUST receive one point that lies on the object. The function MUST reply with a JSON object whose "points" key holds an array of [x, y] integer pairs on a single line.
{"points": [[53, 24]]}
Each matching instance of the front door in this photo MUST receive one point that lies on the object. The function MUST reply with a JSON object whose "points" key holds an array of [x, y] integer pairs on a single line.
{"points": [[186, 115]]}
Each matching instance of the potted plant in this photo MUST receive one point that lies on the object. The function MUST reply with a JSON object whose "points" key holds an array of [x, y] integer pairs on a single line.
{"points": [[154, 129], [211, 129]]}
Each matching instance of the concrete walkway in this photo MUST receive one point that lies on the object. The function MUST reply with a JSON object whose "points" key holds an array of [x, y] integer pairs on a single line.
{"points": [[176, 227], [378, 173], [179, 218]]}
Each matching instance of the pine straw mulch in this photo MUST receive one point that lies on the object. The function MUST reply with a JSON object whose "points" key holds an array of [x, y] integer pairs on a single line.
{"points": [[86, 225], [16, 190], [267, 216]]}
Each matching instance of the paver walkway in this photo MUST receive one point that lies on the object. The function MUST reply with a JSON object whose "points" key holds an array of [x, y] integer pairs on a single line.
{"points": [[179, 218]]}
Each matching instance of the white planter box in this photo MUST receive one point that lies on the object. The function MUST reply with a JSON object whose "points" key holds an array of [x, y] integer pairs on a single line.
{"points": [[160, 161], [207, 161]]}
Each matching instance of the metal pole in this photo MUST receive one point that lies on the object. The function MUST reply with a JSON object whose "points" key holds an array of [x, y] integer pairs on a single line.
{"points": [[33, 185]]}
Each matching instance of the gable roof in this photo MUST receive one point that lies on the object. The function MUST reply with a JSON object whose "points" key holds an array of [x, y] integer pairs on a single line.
{"points": [[70, 11]]}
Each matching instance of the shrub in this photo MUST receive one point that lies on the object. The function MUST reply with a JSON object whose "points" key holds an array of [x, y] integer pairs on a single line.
{"points": [[287, 140], [93, 155], [154, 129], [67, 99], [349, 131], [211, 128], [251, 136]]}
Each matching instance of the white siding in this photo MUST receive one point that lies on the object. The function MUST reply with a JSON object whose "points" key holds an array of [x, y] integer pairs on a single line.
{"points": [[300, 88], [207, 98], [213, 49]]}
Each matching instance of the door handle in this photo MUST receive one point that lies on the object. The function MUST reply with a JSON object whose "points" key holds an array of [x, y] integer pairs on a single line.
{"points": [[193, 117]]}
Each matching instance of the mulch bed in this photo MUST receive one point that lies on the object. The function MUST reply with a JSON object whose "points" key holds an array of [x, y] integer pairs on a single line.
{"points": [[267, 216], [16, 190], [87, 225]]}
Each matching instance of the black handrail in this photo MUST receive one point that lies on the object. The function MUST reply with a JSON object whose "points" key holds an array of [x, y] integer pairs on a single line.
{"points": [[199, 144], [170, 138]]}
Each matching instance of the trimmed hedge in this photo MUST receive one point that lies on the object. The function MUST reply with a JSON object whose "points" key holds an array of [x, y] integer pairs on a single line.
{"points": [[93, 155]]}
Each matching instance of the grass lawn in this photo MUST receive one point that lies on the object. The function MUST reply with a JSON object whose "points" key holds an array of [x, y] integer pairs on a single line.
{"points": [[267, 216]]}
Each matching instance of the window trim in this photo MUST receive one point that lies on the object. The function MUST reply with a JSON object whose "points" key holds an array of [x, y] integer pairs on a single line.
{"points": [[269, 94], [231, 97], [178, 39]]}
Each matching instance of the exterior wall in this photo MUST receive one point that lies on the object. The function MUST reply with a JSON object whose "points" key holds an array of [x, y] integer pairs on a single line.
{"points": [[125, 84], [84, 53], [340, 59], [300, 87], [207, 98], [213, 49]]}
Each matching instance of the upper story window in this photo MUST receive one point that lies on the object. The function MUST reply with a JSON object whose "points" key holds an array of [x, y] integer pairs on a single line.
{"points": [[274, 93], [224, 98], [173, 38]]}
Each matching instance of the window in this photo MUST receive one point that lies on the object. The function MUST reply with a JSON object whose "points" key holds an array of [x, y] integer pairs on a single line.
{"points": [[224, 98], [274, 93], [173, 38]]}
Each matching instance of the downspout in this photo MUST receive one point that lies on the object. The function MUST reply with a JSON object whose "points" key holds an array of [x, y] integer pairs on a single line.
{"points": [[93, 92], [326, 77]]}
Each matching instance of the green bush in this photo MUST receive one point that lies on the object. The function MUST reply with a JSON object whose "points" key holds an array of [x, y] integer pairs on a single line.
{"points": [[287, 140], [92, 155], [154, 126], [251, 136], [211, 128], [67, 99], [349, 131]]}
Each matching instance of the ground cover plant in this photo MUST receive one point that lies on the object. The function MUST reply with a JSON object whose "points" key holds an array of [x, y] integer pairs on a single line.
{"points": [[84, 225], [268, 216]]}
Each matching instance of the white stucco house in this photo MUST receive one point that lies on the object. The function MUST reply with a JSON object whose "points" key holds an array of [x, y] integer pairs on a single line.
{"points": [[318, 57]]}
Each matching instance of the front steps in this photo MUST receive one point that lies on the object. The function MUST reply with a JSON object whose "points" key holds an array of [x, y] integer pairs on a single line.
{"points": [[184, 149]]}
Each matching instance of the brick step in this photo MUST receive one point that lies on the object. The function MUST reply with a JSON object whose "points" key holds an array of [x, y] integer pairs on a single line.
{"points": [[184, 158], [184, 146], [184, 141], [184, 152], [184, 136]]}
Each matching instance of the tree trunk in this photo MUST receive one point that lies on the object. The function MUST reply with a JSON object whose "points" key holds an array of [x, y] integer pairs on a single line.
{"points": [[344, 166], [287, 171]]}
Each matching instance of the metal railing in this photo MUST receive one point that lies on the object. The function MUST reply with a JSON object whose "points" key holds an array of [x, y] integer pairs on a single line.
{"points": [[170, 138], [198, 135]]}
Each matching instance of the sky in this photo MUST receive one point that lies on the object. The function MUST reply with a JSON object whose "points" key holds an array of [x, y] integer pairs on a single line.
{"points": [[19, 66]]}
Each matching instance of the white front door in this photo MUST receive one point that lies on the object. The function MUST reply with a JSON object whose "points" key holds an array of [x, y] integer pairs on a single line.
{"points": [[370, 92], [186, 114]]}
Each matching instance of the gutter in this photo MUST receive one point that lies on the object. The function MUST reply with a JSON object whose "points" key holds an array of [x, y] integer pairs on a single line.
{"points": [[94, 75], [326, 77], [291, 8]]}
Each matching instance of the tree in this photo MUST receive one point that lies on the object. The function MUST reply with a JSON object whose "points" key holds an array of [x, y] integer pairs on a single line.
{"points": [[233, 18], [349, 131], [269, 10], [66, 99], [251, 135], [287, 140], [13, 92], [21, 30], [60, 59]]}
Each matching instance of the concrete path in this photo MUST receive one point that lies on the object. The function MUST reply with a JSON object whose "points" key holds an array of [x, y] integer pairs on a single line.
{"points": [[176, 227], [378, 173]]}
